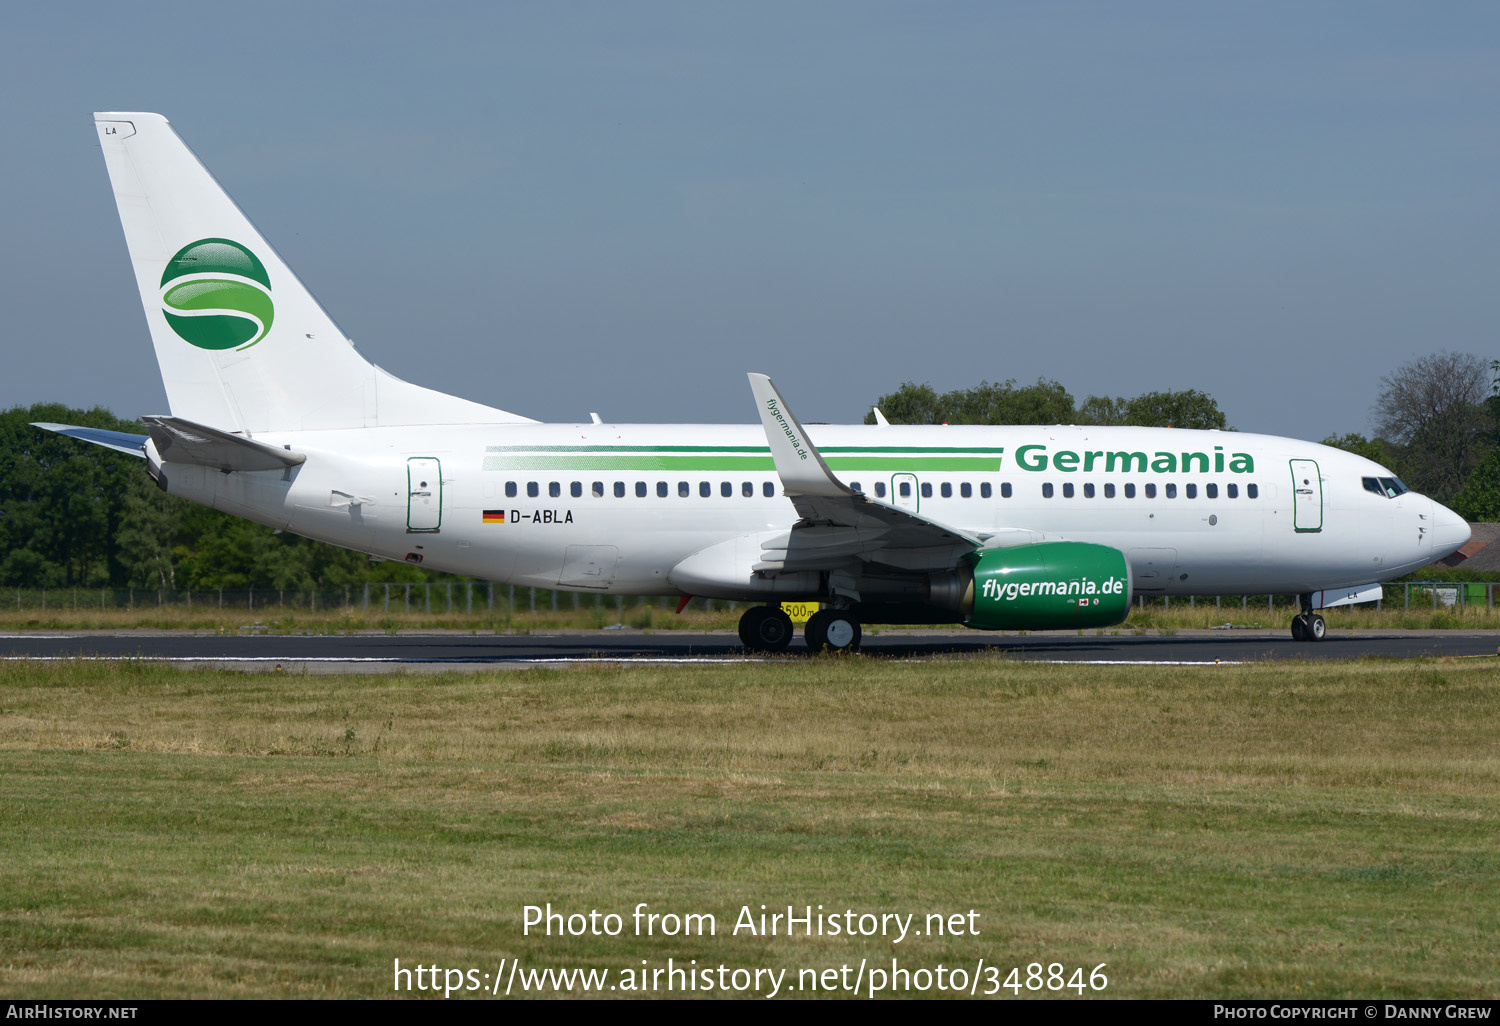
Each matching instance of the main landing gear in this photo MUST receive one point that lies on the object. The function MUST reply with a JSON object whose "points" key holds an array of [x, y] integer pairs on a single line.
{"points": [[832, 630], [765, 629], [1307, 625], [768, 629]]}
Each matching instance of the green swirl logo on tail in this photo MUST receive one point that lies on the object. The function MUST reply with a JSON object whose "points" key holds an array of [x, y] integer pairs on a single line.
{"points": [[222, 295]]}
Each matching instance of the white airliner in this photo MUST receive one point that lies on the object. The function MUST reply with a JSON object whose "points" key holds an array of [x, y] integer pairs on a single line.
{"points": [[277, 418]]}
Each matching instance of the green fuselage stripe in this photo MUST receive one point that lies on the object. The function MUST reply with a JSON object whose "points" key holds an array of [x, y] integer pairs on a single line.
{"points": [[759, 450], [731, 464], [735, 458]]}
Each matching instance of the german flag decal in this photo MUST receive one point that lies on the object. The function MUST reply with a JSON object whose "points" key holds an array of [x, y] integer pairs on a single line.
{"points": [[494, 516]]}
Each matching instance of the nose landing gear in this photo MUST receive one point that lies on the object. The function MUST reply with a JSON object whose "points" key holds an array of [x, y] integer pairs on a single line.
{"points": [[1308, 625]]}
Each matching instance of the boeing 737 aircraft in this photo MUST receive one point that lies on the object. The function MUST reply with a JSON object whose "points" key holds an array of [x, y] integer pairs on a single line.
{"points": [[276, 417]]}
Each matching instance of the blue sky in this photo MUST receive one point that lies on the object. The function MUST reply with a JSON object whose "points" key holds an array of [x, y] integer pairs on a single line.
{"points": [[564, 207]]}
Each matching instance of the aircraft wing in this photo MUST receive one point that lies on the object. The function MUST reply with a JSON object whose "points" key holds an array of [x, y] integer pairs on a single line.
{"points": [[838, 524], [119, 441]]}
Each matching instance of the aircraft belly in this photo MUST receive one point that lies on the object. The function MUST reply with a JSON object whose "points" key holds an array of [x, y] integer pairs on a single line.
{"points": [[589, 553]]}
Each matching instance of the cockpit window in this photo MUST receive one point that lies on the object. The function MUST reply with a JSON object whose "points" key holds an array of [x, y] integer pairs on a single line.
{"points": [[1389, 487], [1373, 484]]}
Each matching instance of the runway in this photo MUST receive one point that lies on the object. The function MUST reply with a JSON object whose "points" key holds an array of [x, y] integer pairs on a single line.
{"points": [[429, 651]]}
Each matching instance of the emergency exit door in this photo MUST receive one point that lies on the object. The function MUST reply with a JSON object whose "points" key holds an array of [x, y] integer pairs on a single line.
{"points": [[904, 492], [424, 494]]}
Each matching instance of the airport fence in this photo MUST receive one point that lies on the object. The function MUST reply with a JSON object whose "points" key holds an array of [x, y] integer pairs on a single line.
{"points": [[463, 597], [481, 597], [1411, 595]]}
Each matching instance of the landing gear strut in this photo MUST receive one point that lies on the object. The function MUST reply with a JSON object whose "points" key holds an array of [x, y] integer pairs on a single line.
{"points": [[832, 630], [765, 629], [1307, 625]]}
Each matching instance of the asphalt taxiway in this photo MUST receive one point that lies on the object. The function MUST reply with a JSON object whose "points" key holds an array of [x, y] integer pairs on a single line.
{"points": [[375, 652]]}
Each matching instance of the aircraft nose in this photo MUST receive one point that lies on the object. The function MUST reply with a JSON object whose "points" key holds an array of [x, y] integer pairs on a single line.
{"points": [[1449, 531]]}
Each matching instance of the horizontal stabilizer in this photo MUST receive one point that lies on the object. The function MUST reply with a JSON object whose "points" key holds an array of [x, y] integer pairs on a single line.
{"points": [[119, 441], [182, 441]]}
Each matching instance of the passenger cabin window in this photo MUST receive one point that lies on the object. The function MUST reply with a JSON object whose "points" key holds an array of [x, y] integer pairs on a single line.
{"points": [[857, 487], [747, 489], [1130, 490], [879, 489], [598, 489], [926, 490], [1151, 491], [1109, 491], [510, 489], [705, 489], [1047, 490], [1172, 490], [985, 492], [683, 490], [906, 489], [575, 489], [1252, 491], [727, 490], [661, 489], [1192, 491], [619, 489], [533, 489], [1005, 490], [1067, 489], [947, 490], [769, 489], [640, 489], [1211, 490], [966, 490], [1232, 491], [1088, 490]]}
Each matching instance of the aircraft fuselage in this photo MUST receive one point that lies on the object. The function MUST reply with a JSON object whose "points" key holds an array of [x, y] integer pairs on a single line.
{"points": [[616, 507]]}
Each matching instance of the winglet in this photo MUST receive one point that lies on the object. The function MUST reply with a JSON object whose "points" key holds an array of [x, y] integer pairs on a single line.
{"points": [[798, 462], [880, 420]]}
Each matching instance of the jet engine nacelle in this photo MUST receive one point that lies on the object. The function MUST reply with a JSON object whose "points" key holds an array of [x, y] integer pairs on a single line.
{"points": [[1048, 586]]}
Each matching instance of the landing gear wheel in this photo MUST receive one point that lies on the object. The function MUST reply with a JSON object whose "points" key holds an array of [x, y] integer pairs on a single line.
{"points": [[1307, 625], [765, 629], [815, 632], [832, 630]]}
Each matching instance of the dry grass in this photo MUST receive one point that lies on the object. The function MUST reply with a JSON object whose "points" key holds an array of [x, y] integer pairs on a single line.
{"points": [[1284, 829]]}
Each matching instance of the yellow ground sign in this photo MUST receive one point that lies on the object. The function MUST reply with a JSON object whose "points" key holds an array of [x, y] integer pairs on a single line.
{"points": [[799, 611]]}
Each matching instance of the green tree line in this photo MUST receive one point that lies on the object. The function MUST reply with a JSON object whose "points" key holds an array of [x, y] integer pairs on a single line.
{"points": [[74, 514], [1046, 402]]}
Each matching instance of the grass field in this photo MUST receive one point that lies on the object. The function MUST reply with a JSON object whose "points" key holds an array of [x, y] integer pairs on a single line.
{"points": [[1287, 829]]}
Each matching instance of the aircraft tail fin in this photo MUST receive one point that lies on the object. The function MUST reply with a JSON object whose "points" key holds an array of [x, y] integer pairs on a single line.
{"points": [[242, 345]]}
